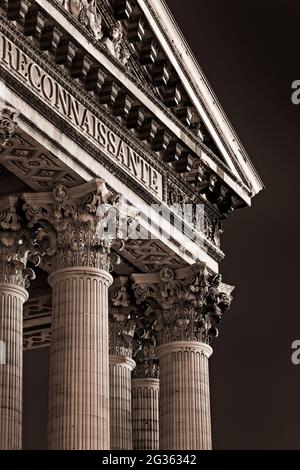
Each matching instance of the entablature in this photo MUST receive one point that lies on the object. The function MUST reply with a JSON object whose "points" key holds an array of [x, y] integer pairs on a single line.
{"points": [[111, 86]]}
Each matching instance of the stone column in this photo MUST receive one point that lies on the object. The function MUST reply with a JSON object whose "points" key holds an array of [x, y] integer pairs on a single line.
{"points": [[145, 413], [145, 385], [72, 227], [79, 375], [12, 298], [14, 279], [184, 396], [120, 368], [190, 304], [121, 330]]}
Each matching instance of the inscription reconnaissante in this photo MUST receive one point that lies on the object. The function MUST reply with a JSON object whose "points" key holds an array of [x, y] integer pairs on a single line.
{"points": [[39, 81]]}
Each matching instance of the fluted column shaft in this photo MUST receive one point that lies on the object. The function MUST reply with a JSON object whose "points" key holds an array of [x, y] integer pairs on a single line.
{"points": [[145, 414], [120, 368], [12, 298], [184, 402], [79, 364]]}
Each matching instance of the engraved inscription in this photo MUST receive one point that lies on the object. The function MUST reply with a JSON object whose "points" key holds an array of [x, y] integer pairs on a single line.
{"points": [[40, 82]]}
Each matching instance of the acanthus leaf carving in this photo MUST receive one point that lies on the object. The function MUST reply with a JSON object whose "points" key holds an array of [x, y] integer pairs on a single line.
{"points": [[8, 122], [122, 318], [189, 303], [79, 226], [132, 329], [17, 246], [145, 342]]}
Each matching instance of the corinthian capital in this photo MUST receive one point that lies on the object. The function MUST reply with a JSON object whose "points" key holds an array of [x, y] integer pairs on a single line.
{"points": [[144, 351], [122, 318], [131, 329], [217, 301], [79, 226], [16, 246], [8, 122], [189, 302]]}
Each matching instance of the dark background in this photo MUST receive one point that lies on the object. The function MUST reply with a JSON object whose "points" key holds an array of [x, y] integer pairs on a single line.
{"points": [[249, 51]]}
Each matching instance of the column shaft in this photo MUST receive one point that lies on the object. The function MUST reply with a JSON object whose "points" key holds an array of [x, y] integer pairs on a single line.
{"points": [[12, 298], [145, 413], [120, 402], [79, 364], [184, 401]]}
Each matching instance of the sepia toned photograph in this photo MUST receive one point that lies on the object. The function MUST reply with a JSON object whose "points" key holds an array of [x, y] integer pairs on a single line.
{"points": [[149, 162]]}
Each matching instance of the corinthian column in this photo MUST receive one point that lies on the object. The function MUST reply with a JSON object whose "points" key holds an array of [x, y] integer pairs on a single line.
{"points": [[76, 229], [14, 279], [12, 298], [121, 330], [120, 368], [145, 413], [145, 384], [184, 395], [191, 304], [79, 380]]}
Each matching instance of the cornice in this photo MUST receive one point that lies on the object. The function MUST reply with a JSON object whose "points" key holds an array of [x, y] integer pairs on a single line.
{"points": [[72, 86], [160, 5], [160, 110]]}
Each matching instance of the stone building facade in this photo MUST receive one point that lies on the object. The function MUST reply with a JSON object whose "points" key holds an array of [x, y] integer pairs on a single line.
{"points": [[118, 167]]}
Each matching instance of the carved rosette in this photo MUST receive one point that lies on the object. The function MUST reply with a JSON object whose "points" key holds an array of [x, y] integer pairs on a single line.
{"points": [[16, 246], [8, 123], [79, 226], [122, 319], [189, 303]]}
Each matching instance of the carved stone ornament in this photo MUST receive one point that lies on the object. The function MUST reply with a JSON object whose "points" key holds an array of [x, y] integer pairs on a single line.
{"points": [[79, 226], [8, 122], [176, 196], [122, 318], [16, 246], [145, 342], [86, 12], [213, 229], [114, 44], [131, 329], [189, 211], [189, 302]]}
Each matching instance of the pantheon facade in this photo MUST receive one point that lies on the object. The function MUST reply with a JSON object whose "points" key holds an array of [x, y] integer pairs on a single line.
{"points": [[118, 167]]}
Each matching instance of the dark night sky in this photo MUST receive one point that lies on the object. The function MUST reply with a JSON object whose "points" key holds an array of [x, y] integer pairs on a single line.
{"points": [[249, 51]]}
